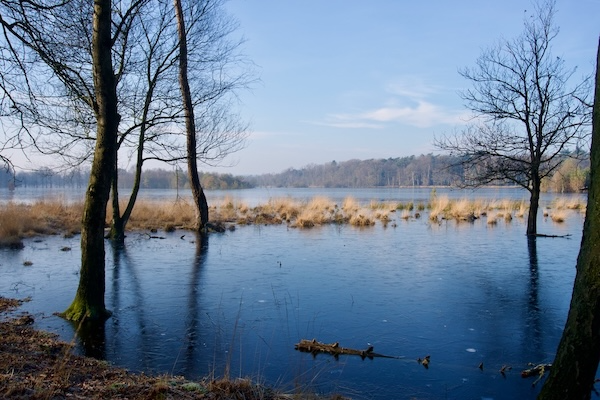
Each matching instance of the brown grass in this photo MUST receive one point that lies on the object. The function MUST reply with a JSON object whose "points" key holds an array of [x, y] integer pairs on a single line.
{"points": [[18, 221], [558, 216]]}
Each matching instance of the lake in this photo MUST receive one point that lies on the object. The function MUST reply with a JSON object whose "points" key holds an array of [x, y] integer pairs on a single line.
{"points": [[463, 293]]}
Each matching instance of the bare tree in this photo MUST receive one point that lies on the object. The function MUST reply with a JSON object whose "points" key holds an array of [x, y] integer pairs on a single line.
{"points": [[91, 83], [211, 133], [57, 111], [89, 299], [211, 69], [527, 114], [574, 368], [190, 123]]}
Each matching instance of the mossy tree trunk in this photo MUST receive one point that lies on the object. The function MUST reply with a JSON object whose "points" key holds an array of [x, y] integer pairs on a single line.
{"points": [[89, 299], [574, 368], [198, 195]]}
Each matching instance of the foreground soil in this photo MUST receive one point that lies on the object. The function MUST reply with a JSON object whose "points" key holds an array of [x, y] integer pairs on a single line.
{"points": [[35, 365]]}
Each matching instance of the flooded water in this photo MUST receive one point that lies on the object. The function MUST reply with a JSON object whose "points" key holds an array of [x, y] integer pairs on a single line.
{"points": [[463, 293]]}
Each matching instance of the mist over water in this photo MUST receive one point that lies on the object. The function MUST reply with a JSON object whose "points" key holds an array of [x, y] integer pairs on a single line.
{"points": [[463, 293]]}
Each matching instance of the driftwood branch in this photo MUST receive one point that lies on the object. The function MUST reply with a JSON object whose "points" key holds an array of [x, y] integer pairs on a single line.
{"points": [[537, 370], [568, 235], [314, 347]]}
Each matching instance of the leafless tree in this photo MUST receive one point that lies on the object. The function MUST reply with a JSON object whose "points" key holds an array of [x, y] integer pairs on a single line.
{"points": [[527, 114], [56, 111]]}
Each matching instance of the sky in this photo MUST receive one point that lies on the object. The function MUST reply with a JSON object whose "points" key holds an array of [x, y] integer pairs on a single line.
{"points": [[347, 79]]}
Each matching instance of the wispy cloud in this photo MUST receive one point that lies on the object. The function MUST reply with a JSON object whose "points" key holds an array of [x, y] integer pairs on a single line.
{"points": [[423, 114], [407, 103]]}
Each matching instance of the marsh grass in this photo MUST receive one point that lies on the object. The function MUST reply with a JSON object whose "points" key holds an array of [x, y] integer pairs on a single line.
{"points": [[19, 221], [565, 203], [558, 216]]}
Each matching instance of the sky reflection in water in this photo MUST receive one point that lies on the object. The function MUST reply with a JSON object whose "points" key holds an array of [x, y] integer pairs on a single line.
{"points": [[462, 293]]}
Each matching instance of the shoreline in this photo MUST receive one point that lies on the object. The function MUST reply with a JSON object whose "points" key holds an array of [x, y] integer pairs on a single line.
{"points": [[36, 365]]}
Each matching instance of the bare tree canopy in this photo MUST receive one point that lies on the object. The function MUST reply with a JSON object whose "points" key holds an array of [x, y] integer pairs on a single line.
{"points": [[527, 113], [46, 87], [49, 92]]}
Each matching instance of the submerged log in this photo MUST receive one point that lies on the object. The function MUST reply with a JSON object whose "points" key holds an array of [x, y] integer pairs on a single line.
{"points": [[314, 347]]}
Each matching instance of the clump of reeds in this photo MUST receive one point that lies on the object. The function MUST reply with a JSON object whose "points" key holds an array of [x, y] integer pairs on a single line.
{"points": [[492, 218], [460, 210], [439, 205], [406, 206], [568, 203], [318, 211], [287, 208], [521, 209], [558, 216], [350, 205], [361, 220]]}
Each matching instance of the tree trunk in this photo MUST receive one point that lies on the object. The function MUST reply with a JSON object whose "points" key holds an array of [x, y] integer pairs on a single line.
{"points": [[89, 299], [117, 228], [119, 222], [574, 368], [534, 205], [197, 193]]}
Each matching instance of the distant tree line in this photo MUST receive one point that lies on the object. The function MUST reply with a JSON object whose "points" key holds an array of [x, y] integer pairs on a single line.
{"points": [[151, 179], [423, 170]]}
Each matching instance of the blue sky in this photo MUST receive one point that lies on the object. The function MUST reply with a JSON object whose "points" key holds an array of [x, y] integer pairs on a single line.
{"points": [[346, 79]]}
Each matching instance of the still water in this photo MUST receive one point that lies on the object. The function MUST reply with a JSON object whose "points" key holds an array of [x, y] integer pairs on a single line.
{"points": [[462, 293]]}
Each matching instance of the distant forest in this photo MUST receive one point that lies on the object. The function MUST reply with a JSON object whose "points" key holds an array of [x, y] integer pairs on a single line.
{"points": [[423, 170], [151, 179]]}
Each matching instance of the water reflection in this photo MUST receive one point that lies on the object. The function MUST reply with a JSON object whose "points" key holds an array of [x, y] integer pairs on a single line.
{"points": [[463, 293], [533, 311], [192, 318], [128, 301], [92, 338]]}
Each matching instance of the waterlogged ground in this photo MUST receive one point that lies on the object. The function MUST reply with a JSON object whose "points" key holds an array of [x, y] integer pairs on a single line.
{"points": [[463, 293]]}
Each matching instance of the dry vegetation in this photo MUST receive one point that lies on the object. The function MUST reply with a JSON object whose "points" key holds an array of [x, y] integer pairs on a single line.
{"points": [[35, 365], [18, 221]]}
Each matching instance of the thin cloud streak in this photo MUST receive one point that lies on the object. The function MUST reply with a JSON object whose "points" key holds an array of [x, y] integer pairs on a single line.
{"points": [[423, 115]]}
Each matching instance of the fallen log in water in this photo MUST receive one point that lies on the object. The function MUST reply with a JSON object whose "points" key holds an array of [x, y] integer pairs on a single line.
{"points": [[539, 370], [314, 347]]}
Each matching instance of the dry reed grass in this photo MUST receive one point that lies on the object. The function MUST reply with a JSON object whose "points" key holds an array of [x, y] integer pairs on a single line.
{"points": [[18, 221], [438, 207], [522, 209], [568, 203], [350, 205], [558, 216], [492, 218]]}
